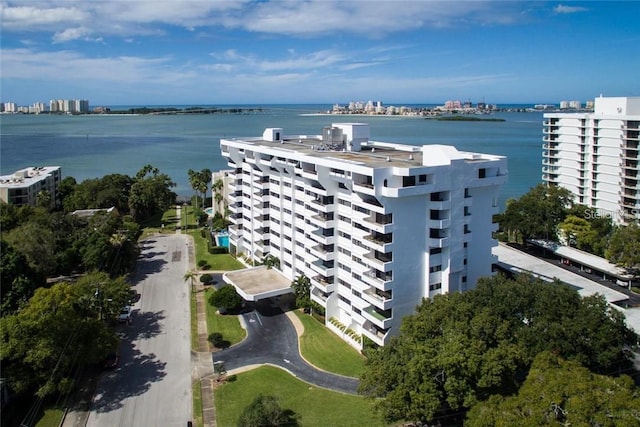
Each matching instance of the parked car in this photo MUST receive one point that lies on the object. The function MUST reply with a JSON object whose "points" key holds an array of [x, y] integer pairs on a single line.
{"points": [[111, 361], [125, 315]]}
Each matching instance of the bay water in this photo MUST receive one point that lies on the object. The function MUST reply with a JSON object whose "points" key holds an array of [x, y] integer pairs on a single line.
{"points": [[90, 146]]}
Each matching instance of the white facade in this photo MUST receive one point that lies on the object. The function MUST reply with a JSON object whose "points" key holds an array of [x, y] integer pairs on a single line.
{"points": [[23, 186], [376, 226], [595, 156]]}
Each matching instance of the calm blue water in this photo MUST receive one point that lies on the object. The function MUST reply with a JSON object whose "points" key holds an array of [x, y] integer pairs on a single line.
{"points": [[223, 240], [93, 146]]}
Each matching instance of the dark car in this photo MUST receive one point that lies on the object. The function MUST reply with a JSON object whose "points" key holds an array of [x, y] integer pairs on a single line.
{"points": [[111, 361]]}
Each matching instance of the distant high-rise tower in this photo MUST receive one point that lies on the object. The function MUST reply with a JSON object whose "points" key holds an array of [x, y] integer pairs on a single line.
{"points": [[595, 156]]}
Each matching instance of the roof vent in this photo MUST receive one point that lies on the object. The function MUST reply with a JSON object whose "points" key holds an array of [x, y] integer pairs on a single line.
{"points": [[388, 159]]}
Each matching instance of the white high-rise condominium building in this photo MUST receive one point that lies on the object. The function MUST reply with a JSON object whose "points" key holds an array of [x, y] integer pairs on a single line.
{"points": [[595, 156], [376, 226]]}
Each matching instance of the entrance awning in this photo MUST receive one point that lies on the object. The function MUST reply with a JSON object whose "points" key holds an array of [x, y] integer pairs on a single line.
{"points": [[258, 283]]}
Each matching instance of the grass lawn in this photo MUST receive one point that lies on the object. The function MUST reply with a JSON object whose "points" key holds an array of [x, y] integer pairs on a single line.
{"points": [[51, 417], [196, 391], [228, 325], [314, 406], [327, 351], [154, 224], [216, 261]]}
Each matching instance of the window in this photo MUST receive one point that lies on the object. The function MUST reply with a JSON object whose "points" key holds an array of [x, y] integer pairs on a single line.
{"points": [[435, 268], [435, 251], [435, 286]]}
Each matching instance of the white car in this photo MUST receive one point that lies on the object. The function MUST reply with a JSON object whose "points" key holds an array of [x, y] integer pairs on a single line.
{"points": [[125, 315]]}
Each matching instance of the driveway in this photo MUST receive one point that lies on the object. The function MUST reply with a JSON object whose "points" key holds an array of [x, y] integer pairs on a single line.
{"points": [[272, 339], [152, 385]]}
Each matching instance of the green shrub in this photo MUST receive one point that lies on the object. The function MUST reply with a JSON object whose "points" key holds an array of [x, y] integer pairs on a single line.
{"points": [[206, 279], [202, 263]]}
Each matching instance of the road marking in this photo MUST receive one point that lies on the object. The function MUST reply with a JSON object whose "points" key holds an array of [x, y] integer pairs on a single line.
{"points": [[258, 317], [286, 361]]}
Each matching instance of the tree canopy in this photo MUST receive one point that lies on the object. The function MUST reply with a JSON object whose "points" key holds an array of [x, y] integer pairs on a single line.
{"points": [[225, 299], [461, 348], [150, 193], [624, 247], [56, 330], [558, 392], [537, 213]]}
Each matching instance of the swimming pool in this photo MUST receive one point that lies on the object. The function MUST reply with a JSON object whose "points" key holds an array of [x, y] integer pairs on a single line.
{"points": [[222, 239], [209, 211]]}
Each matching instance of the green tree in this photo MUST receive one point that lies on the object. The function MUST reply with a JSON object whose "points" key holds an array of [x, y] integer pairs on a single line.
{"points": [[199, 181], [56, 331], [265, 411], [150, 193], [536, 214], [18, 279], [460, 348], [271, 261], [560, 393], [226, 299], [302, 290], [43, 199], [624, 247], [191, 277], [37, 244]]}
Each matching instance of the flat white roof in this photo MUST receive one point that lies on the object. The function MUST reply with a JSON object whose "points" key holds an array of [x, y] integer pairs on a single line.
{"points": [[27, 176], [257, 283], [583, 258], [518, 261]]}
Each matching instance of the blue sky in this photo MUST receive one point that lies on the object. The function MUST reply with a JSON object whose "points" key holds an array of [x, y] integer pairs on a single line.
{"points": [[146, 52]]}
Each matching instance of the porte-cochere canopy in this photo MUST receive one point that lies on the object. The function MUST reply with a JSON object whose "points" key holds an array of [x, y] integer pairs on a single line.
{"points": [[258, 283]]}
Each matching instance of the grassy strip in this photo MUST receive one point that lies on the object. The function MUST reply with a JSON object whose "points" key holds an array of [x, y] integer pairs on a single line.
{"points": [[227, 325], [324, 349], [314, 406], [51, 417], [194, 322], [196, 392]]}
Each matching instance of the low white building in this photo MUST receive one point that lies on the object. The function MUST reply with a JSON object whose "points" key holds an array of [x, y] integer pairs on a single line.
{"points": [[376, 226], [22, 187], [595, 156]]}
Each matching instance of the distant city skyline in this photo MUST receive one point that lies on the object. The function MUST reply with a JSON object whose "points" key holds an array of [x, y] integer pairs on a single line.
{"points": [[243, 52]]}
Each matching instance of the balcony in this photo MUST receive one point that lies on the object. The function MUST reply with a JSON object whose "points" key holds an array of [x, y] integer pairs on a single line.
{"points": [[322, 219], [378, 279], [380, 222], [319, 296], [380, 318], [379, 241], [364, 187], [381, 261], [379, 298], [323, 267], [324, 283], [374, 333], [323, 252], [324, 235]]}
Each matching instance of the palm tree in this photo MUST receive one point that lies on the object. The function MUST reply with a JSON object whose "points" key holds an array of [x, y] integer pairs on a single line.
{"points": [[191, 275]]}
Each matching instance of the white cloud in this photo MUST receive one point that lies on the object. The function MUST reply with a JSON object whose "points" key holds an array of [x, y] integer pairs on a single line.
{"points": [[34, 17], [564, 9], [280, 17]]}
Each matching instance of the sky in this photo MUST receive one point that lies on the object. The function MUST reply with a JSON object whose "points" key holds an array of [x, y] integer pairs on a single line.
{"points": [[192, 52]]}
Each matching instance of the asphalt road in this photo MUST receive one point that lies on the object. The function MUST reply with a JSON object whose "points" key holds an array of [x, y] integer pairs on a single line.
{"points": [[152, 385], [271, 338]]}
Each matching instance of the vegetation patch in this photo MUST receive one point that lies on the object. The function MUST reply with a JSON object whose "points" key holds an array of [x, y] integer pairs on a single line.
{"points": [[313, 406], [227, 325], [324, 349]]}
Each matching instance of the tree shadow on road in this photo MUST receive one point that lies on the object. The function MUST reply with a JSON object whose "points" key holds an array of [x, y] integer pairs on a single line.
{"points": [[133, 378]]}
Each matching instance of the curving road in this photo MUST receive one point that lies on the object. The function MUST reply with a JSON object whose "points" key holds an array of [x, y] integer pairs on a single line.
{"points": [[272, 339], [152, 385]]}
